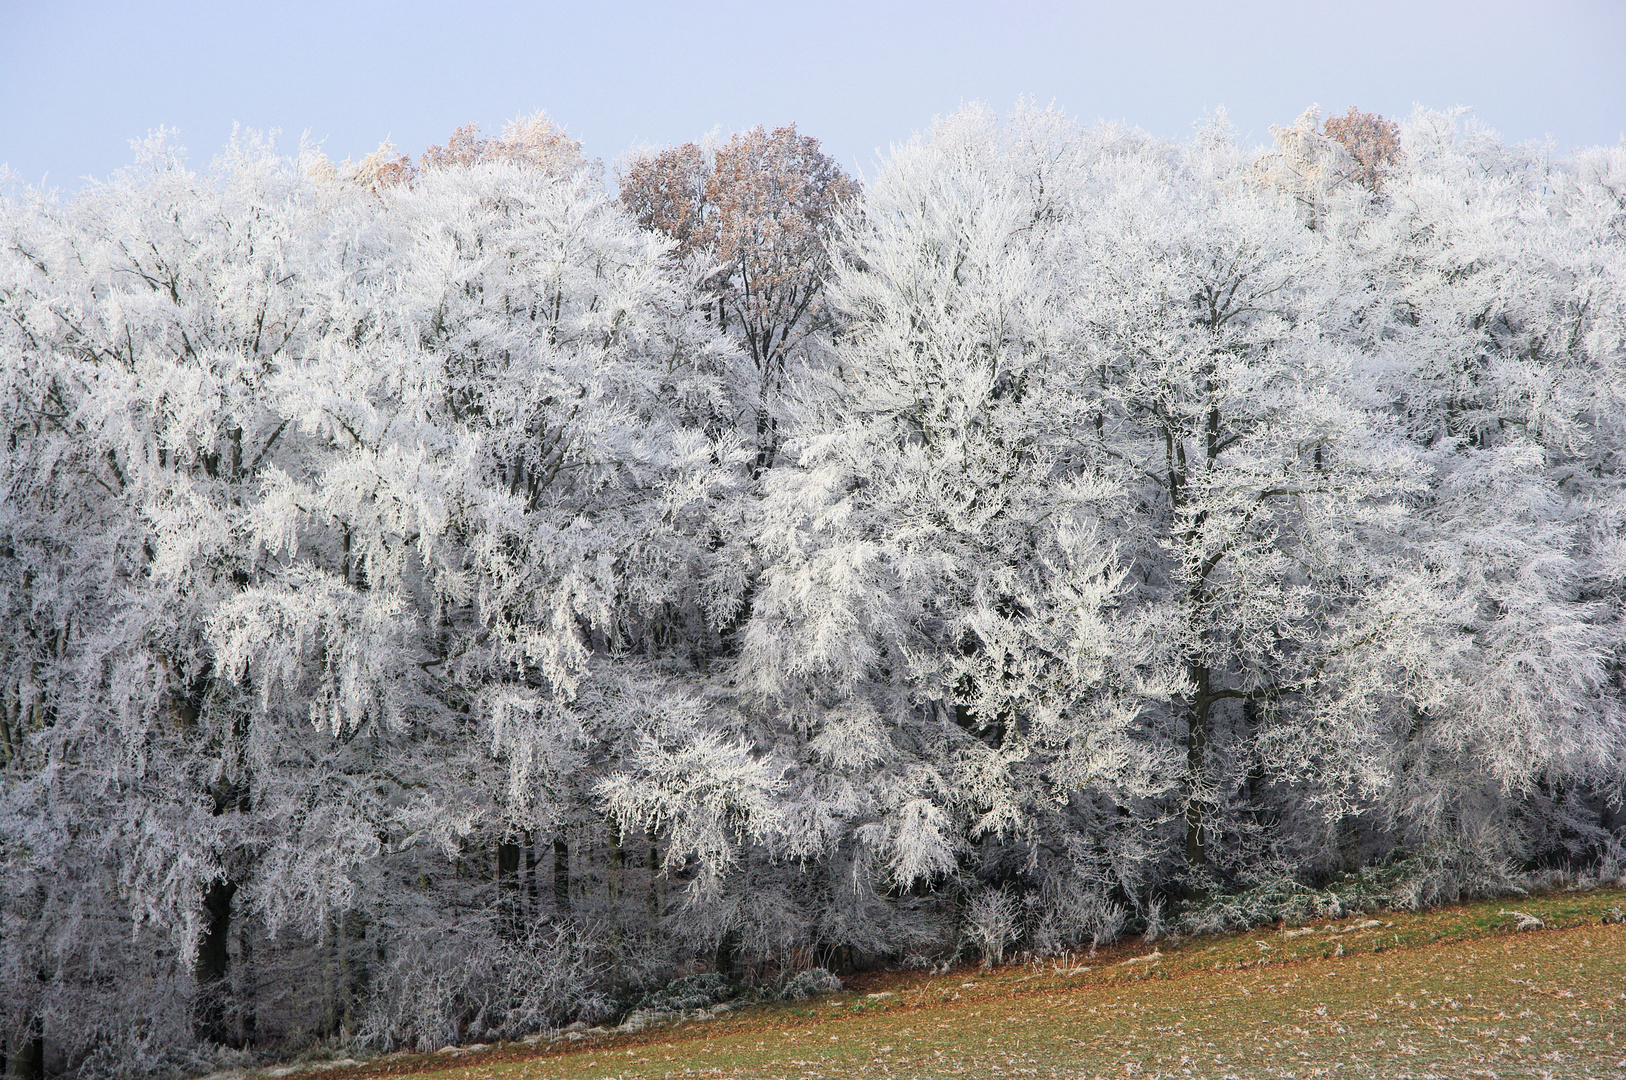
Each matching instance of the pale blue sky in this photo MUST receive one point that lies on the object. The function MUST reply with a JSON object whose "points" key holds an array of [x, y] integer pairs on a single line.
{"points": [[79, 80]]}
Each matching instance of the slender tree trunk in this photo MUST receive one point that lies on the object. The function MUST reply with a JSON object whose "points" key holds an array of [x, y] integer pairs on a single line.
{"points": [[1198, 718], [531, 893], [615, 887], [336, 981], [654, 899], [347, 999], [509, 895], [561, 875], [247, 1021]]}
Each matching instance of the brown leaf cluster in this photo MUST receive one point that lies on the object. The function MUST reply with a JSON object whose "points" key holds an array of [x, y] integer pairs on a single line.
{"points": [[667, 192], [1370, 140], [380, 169], [533, 142], [762, 208], [396, 170]]}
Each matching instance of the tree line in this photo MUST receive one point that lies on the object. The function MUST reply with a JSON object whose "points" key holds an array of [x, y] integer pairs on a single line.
{"points": [[445, 599]]}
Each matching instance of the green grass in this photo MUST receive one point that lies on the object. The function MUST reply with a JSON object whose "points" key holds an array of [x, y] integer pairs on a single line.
{"points": [[1444, 993]]}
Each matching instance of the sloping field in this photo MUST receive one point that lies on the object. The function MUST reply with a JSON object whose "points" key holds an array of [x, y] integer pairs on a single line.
{"points": [[1449, 993]]}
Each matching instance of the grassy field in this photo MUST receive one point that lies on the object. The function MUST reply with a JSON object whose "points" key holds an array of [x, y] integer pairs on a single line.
{"points": [[1456, 992]]}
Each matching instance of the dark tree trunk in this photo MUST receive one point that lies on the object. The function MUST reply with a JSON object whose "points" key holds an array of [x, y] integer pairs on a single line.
{"points": [[728, 950], [654, 899], [531, 892], [561, 876], [209, 1014], [509, 885], [1197, 724], [26, 1061]]}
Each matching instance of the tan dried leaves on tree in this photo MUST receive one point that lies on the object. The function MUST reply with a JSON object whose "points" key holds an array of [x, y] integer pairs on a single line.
{"points": [[776, 197], [382, 168], [762, 209], [667, 192], [1314, 163], [528, 141], [1370, 140]]}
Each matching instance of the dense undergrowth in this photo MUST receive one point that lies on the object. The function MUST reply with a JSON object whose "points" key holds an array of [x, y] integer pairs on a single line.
{"points": [[1371, 917], [1440, 990]]}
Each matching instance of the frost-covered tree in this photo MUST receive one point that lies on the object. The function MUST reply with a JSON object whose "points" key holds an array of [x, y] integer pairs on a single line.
{"points": [[1084, 373], [755, 214], [1261, 475], [1496, 280], [513, 487], [146, 323], [323, 501], [443, 600], [932, 618]]}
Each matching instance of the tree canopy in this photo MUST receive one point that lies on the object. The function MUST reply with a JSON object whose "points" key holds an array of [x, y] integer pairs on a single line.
{"points": [[473, 599]]}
